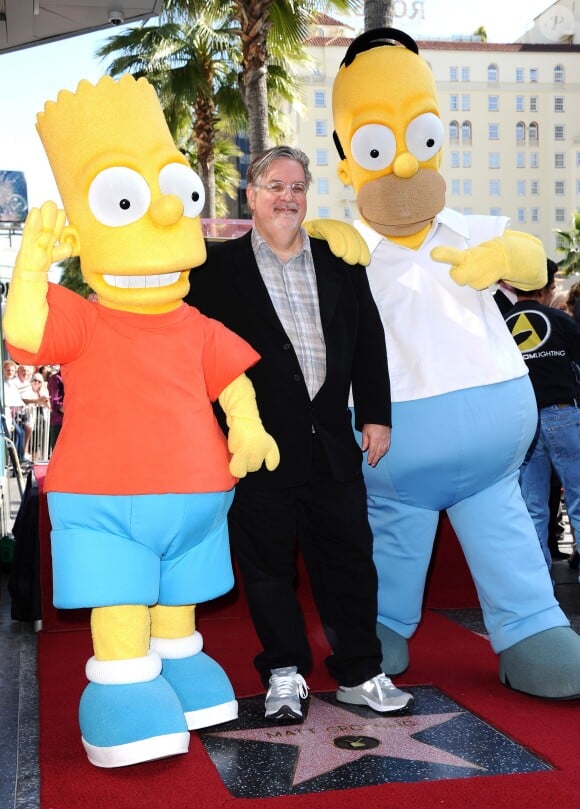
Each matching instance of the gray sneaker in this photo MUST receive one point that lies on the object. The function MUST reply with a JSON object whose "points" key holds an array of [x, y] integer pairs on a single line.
{"points": [[286, 688], [379, 693]]}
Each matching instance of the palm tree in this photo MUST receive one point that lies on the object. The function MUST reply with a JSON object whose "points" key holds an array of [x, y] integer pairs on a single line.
{"points": [[571, 262], [378, 14], [265, 29], [481, 32]]}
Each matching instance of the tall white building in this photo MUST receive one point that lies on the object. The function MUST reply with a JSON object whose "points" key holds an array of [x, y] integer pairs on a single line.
{"points": [[511, 114]]}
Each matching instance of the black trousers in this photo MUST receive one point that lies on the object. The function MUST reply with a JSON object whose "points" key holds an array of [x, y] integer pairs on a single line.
{"points": [[328, 521]]}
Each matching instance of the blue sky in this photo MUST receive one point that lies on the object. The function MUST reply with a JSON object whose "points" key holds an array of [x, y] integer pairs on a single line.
{"points": [[35, 75]]}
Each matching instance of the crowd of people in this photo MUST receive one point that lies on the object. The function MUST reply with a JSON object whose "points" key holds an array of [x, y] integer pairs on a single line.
{"points": [[33, 409]]}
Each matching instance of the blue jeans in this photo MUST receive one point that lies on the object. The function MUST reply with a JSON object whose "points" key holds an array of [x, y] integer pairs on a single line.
{"points": [[557, 444]]}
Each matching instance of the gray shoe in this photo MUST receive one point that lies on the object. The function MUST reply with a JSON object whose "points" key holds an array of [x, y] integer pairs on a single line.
{"points": [[379, 693], [286, 688]]}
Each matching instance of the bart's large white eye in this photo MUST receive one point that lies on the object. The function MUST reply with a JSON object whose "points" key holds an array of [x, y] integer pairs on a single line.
{"points": [[119, 196], [424, 136], [183, 182], [373, 146]]}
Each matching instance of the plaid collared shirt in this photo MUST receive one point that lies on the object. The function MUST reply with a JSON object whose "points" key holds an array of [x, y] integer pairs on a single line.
{"points": [[294, 295]]}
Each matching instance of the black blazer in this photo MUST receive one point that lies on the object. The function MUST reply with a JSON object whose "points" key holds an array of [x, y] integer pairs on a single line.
{"points": [[229, 288]]}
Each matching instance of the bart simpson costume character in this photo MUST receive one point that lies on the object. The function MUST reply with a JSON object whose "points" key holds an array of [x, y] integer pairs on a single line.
{"points": [[141, 479], [464, 411]]}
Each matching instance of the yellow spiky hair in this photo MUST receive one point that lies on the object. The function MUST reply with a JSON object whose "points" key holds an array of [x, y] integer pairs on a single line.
{"points": [[98, 119]]}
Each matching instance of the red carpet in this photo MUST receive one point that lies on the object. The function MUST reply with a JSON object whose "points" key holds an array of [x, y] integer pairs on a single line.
{"points": [[459, 663]]}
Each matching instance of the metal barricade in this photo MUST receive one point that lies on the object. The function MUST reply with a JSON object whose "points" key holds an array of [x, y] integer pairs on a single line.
{"points": [[39, 422]]}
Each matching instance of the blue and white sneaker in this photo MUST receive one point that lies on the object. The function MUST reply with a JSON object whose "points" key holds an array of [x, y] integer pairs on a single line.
{"points": [[206, 694], [127, 722]]}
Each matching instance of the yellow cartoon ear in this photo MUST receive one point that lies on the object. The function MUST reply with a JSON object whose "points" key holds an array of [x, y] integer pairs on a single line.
{"points": [[69, 244], [344, 173]]}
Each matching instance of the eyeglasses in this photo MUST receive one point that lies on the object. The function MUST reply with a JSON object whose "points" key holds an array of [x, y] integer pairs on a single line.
{"points": [[279, 187]]}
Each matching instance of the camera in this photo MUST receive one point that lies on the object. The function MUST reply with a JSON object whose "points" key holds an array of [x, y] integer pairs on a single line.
{"points": [[116, 17]]}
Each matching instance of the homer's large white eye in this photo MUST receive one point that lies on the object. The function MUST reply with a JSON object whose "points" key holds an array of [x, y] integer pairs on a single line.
{"points": [[119, 196], [183, 182], [424, 136], [373, 146]]}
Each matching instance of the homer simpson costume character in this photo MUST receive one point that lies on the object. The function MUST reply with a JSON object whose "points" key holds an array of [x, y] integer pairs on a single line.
{"points": [[141, 479], [464, 411]]}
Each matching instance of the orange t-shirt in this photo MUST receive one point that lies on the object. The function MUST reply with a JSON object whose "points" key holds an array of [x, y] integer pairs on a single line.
{"points": [[138, 390]]}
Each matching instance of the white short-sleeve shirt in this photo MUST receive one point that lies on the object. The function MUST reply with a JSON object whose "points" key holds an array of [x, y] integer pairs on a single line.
{"points": [[440, 336]]}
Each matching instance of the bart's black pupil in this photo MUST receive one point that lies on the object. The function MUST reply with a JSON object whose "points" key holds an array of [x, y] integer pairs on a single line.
{"points": [[374, 152], [430, 142], [195, 196], [124, 204]]}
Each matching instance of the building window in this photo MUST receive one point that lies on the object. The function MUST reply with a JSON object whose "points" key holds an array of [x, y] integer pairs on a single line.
{"points": [[455, 188], [454, 102], [320, 98], [453, 132], [559, 74], [534, 74], [322, 185], [559, 160], [466, 160], [347, 213], [466, 133], [521, 188], [465, 74], [534, 214], [578, 158], [520, 104], [322, 157], [559, 104], [321, 129], [520, 132], [519, 74], [495, 211], [534, 187], [493, 103], [493, 131], [493, 160], [323, 212], [559, 132], [454, 158], [533, 133], [521, 215], [467, 188], [492, 72], [468, 211], [465, 103], [534, 160], [453, 74], [533, 103], [521, 160], [560, 215], [559, 188], [577, 186], [494, 188]]}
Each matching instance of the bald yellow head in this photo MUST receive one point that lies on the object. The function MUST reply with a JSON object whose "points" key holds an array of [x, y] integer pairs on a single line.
{"points": [[132, 201], [386, 118]]}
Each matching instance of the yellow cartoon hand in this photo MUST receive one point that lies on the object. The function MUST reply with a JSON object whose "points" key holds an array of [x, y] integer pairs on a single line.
{"points": [[41, 246], [251, 446], [515, 257], [343, 239]]}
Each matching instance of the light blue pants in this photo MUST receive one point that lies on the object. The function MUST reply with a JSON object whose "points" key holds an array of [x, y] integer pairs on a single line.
{"points": [[461, 452], [557, 443], [170, 549]]}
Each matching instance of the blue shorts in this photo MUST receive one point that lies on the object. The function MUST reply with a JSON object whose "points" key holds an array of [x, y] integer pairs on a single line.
{"points": [[170, 549]]}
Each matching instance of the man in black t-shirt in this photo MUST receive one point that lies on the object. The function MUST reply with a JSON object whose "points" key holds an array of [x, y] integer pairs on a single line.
{"points": [[549, 340]]}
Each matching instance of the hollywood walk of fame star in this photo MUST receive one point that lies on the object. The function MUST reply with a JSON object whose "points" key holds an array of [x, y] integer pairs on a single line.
{"points": [[315, 739]]}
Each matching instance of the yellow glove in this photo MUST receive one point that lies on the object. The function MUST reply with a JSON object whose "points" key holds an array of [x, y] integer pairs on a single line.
{"points": [[26, 307], [518, 258], [248, 442], [344, 241]]}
